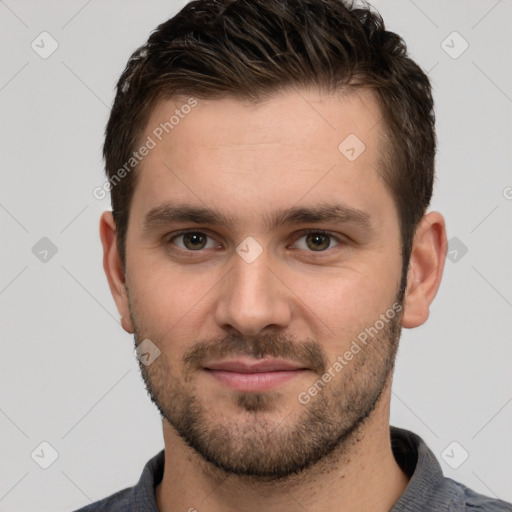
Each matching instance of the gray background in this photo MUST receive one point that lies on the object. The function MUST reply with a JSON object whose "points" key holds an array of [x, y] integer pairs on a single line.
{"points": [[67, 370]]}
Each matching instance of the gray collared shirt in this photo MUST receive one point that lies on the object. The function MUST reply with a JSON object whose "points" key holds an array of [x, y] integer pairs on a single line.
{"points": [[428, 490]]}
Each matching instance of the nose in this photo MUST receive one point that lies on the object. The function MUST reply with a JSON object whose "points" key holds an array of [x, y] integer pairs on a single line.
{"points": [[252, 298]]}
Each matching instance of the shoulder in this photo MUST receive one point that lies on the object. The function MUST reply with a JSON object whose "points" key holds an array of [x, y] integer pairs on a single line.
{"points": [[471, 501], [140, 497]]}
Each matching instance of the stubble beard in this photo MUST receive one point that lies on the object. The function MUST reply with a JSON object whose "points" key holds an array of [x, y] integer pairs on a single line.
{"points": [[261, 443]]}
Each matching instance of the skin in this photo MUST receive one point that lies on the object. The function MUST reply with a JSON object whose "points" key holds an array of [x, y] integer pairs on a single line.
{"points": [[248, 161]]}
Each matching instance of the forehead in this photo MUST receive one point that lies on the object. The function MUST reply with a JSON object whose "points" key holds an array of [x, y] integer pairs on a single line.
{"points": [[297, 145], [293, 117]]}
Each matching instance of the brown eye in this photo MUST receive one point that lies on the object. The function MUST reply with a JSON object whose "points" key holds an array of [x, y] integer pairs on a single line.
{"points": [[316, 241], [193, 241]]}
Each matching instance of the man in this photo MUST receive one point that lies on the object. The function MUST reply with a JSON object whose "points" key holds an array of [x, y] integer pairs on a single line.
{"points": [[270, 165]]}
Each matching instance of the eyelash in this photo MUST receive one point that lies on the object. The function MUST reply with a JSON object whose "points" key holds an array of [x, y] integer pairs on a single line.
{"points": [[338, 239]]}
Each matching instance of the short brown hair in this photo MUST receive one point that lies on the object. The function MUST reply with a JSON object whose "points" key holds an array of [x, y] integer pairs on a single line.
{"points": [[252, 48]]}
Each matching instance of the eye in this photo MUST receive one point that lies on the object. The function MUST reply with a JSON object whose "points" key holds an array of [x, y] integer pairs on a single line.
{"points": [[193, 241], [312, 241], [316, 241]]}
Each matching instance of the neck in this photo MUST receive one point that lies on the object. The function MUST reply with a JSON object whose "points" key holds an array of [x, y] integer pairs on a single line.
{"points": [[361, 475]]}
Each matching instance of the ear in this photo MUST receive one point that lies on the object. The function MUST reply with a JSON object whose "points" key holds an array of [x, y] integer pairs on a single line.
{"points": [[425, 269], [114, 269]]}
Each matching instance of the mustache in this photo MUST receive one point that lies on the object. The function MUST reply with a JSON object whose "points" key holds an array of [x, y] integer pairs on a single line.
{"points": [[308, 353]]}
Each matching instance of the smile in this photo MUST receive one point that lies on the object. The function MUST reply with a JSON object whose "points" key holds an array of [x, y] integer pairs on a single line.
{"points": [[251, 375]]}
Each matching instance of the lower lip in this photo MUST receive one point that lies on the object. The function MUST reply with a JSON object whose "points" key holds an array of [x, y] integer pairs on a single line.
{"points": [[261, 381]]}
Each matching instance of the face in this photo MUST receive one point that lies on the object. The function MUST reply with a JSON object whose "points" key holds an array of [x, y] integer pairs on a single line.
{"points": [[263, 260]]}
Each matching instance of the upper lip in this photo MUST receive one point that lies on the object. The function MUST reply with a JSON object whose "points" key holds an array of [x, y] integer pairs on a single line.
{"points": [[253, 366]]}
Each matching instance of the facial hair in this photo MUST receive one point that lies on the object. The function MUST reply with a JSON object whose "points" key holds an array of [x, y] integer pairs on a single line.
{"points": [[262, 447]]}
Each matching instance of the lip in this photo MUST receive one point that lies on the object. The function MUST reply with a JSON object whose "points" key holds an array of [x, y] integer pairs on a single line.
{"points": [[247, 365], [252, 375]]}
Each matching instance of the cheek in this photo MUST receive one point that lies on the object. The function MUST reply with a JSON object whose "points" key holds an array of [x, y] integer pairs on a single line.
{"points": [[343, 303], [170, 302]]}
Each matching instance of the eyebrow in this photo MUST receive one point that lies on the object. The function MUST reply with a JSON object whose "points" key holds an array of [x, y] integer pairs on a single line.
{"points": [[169, 213]]}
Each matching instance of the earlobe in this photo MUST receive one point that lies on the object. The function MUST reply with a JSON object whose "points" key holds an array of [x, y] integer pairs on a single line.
{"points": [[114, 269], [425, 269]]}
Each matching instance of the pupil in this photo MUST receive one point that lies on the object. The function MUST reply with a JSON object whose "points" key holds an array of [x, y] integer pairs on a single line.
{"points": [[318, 241], [194, 240]]}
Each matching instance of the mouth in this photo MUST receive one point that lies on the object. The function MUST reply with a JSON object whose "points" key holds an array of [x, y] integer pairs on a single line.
{"points": [[246, 374]]}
